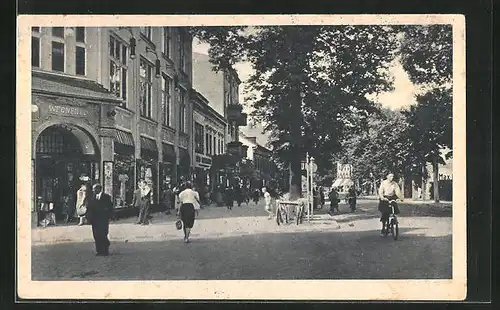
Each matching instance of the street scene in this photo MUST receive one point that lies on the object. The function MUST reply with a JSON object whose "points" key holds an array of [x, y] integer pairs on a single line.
{"points": [[244, 244], [242, 152]]}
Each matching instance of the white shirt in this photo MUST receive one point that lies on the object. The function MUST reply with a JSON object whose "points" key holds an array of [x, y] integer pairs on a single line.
{"points": [[267, 198], [389, 188], [190, 196], [98, 196]]}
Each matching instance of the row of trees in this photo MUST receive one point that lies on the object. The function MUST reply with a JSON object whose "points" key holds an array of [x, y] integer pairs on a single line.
{"points": [[311, 86]]}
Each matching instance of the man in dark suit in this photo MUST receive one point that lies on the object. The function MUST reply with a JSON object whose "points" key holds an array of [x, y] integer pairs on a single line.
{"points": [[99, 212]]}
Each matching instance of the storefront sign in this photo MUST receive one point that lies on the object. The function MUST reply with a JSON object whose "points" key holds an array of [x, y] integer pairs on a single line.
{"points": [[206, 161], [68, 110]]}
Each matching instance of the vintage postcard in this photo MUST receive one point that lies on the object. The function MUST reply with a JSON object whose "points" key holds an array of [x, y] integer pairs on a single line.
{"points": [[249, 157]]}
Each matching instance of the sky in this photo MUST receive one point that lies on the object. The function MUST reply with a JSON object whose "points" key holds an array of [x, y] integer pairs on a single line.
{"points": [[402, 95]]}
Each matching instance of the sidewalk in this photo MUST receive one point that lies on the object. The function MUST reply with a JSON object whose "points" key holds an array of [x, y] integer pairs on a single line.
{"points": [[213, 222], [409, 201]]}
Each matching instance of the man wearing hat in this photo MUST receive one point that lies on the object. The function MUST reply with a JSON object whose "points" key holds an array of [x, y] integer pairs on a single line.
{"points": [[99, 212]]}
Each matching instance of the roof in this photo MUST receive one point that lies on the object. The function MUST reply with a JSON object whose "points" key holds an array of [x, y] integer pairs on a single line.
{"points": [[53, 83], [205, 107]]}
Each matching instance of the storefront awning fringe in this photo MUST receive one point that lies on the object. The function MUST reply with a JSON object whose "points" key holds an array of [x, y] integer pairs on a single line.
{"points": [[124, 138], [149, 144]]}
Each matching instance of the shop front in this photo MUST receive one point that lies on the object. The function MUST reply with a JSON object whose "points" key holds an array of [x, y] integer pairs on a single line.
{"points": [[167, 166], [68, 134], [184, 168], [202, 171], [147, 166], [123, 172]]}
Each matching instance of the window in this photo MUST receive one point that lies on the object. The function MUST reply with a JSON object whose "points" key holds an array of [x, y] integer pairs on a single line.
{"points": [[35, 51], [147, 32], [182, 111], [80, 60], [166, 42], [35, 29], [118, 69], [198, 138], [214, 146], [80, 34], [182, 51], [207, 144], [145, 73], [58, 56], [166, 100], [58, 32]]}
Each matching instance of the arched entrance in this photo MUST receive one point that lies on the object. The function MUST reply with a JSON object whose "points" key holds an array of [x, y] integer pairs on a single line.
{"points": [[65, 156]]}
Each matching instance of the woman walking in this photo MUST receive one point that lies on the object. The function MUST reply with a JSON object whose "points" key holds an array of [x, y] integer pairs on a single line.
{"points": [[190, 206], [81, 203], [146, 197]]}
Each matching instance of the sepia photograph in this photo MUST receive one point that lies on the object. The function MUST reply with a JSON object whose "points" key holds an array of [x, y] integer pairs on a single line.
{"points": [[244, 160]]}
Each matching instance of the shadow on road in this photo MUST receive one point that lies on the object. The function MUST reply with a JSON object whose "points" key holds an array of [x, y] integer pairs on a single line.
{"points": [[299, 255]]}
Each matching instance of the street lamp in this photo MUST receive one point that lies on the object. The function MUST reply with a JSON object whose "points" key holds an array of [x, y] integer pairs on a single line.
{"points": [[157, 62], [132, 41]]}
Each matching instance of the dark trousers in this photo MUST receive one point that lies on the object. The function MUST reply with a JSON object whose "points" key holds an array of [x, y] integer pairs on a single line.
{"points": [[144, 213], [100, 231]]}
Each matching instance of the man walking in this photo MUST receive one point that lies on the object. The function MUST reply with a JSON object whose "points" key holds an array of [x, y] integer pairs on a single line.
{"points": [[98, 213], [268, 200], [136, 200]]}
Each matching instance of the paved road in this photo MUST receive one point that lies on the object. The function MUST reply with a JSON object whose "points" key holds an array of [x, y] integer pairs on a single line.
{"points": [[356, 250]]}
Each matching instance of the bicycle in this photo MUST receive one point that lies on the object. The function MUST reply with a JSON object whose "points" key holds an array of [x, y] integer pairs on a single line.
{"points": [[392, 222]]}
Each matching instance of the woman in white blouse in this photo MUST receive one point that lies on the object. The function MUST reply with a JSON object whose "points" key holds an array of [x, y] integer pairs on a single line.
{"points": [[190, 206]]}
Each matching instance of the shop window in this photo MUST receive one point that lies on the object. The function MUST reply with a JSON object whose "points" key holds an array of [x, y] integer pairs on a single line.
{"points": [[35, 51], [146, 83], [166, 100], [80, 60], [118, 69], [123, 181], [207, 139], [58, 56]]}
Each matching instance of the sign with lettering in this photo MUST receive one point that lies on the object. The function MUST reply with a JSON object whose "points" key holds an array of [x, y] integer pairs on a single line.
{"points": [[68, 110], [206, 161]]}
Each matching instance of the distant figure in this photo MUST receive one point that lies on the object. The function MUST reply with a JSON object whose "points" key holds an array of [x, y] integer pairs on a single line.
{"points": [[166, 198], [136, 199], [351, 195], [190, 206], [256, 196], [145, 206], [268, 201], [321, 197], [334, 200], [99, 212], [81, 203], [229, 198]]}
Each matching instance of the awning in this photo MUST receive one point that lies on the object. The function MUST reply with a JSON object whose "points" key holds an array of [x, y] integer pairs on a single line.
{"points": [[149, 144], [168, 152], [124, 138]]}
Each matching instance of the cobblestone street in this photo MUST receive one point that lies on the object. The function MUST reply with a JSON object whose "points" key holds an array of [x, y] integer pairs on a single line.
{"points": [[243, 244]]}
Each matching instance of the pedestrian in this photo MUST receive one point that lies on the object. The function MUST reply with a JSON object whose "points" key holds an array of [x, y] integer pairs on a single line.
{"points": [[145, 204], [321, 197], [268, 201], [190, 206], [81, 203], [389, 190], [166, 198], [256, 196], [351, 194], [68, 208], [333, 196], [99, 212], [136, 200]]}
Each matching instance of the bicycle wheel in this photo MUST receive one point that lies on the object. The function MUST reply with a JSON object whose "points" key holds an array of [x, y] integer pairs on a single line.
{"points": [[395, 229], [387, 227]]}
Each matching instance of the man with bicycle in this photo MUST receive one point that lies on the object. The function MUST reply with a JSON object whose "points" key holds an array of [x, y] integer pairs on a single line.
{"points": [[389, 190]]}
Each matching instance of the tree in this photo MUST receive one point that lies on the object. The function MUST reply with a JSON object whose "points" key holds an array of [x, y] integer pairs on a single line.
{"points": [[426, 54], [310, 88]]}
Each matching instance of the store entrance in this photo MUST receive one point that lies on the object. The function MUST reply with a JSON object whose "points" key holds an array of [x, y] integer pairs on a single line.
{"points": [[65, 158]]}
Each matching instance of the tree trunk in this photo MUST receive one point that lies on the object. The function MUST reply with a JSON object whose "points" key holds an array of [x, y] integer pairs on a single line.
{"points": [[435, 170], [295, 176], [424, 184]]}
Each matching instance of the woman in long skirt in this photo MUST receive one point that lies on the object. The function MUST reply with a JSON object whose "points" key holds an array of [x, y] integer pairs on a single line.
{"points": [[190, 206], [81, 203]]}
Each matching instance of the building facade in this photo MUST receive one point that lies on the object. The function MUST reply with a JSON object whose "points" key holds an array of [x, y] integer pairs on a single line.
{"points": [[260, 157], [209, 129], [109, 105], [221, 89]]}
